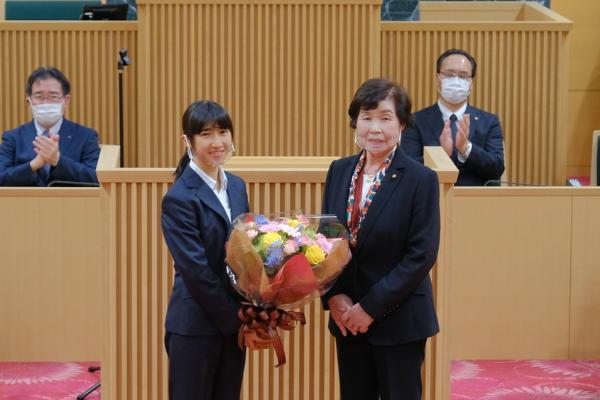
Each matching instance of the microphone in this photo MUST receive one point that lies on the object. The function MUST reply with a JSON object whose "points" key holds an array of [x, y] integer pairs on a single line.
{"points": [[72, 184], [498, 182]]}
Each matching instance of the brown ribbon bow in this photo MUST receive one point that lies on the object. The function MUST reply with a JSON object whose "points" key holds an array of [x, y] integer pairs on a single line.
{"points": [[263, 323]]}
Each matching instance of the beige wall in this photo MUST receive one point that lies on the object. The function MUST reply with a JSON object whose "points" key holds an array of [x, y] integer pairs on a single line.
{"points": [[526, 286], [53, 261], [584, 80]]}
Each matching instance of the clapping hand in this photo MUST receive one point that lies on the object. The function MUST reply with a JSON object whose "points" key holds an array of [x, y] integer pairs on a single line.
{"points": [[462, 134], [446, 139], [47, 148]]}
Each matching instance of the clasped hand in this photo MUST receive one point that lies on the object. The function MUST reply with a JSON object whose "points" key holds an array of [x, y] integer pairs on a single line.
{"points": [[462, 136], [46, 150], [348, 316]]}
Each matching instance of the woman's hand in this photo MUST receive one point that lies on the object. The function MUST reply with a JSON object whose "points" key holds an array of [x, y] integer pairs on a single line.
{"points": [[356, 319], [338, 305]]}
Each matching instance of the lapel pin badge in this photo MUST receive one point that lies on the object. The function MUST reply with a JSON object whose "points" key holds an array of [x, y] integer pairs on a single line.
{"points": [[394, 176]]}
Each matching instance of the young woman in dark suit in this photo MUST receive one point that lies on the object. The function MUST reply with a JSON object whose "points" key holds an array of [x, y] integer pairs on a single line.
{"points": [[382, 304], [205, 361]]}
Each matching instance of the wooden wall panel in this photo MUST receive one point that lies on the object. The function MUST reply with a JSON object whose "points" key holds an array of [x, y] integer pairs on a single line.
{"points": [[52, 263], [87, 53], [286, 70], [521, 77], [585, 278], [140, 277], [523, 276], [584, 80]]}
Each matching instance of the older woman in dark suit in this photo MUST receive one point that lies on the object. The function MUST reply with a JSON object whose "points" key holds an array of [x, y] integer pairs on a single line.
{"points": [[382, 305]]}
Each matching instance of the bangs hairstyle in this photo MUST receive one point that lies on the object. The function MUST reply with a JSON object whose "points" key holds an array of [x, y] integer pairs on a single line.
{"points": [[200, 115], [43, 73], [205, 114], [372, 92]]}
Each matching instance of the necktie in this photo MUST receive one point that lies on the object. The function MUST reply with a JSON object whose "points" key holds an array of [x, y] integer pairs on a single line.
{"points": [[453, 127], [47, 166]]}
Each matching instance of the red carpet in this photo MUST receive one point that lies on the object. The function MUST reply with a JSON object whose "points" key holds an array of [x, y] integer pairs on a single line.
{"points": [[46, 380], [525, 380]]}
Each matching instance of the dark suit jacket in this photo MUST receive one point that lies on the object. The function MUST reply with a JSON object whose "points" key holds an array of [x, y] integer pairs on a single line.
{"points": [[486, 161], [396, 248], [79, 152], [195, 227]]}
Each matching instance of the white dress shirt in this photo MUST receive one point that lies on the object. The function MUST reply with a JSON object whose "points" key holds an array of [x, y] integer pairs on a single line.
{"points": [[54, 129], [212, 184]]}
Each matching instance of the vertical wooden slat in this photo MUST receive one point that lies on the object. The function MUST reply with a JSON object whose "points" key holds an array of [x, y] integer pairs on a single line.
{"points": [[265, 63], [141, 273]]}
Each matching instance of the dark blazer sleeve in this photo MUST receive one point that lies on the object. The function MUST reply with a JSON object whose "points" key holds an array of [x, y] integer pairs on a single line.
{"points": [[326, 209], [189, 251], [82, 169], [486, 159], [11, 174], [412, 144], [423, 241]]}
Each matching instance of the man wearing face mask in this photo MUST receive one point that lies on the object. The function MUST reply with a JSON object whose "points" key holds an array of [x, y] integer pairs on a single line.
{"points": [[471, 137], [49, 148]]}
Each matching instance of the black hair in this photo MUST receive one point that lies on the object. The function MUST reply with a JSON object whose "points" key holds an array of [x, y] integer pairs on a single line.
{"points": [[372, 92], [48, 72], [459, 52], [199, 115]]}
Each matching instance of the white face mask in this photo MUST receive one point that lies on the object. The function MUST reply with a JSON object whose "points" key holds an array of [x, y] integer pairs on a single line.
{"points": [[47, 114], [188, 147], [455, 90]]}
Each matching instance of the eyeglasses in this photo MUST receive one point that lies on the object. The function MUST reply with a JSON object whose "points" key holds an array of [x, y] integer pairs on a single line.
{"points": [[452, 74], [53, 98]]}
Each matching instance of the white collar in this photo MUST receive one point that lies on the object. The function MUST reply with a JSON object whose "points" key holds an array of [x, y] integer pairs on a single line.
{"points": [[446, 112], [212, 184], [53, 129]]}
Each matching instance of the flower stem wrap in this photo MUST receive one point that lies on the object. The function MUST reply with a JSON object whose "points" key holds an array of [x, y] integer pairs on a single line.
{"points": [[264, 323]]}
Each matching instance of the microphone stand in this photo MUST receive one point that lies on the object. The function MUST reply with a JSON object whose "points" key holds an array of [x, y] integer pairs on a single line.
{"points": [[123, 62]]}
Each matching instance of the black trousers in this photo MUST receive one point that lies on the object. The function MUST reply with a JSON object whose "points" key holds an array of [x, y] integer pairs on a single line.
{"points": [[204, 367], [370, 372]]}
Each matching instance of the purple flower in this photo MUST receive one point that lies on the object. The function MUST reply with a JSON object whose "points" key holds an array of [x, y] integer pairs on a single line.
{"points": [[274, 255], [261, 220]]}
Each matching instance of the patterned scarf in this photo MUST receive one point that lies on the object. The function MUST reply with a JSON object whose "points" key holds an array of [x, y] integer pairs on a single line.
{"points": [[354, 213]]}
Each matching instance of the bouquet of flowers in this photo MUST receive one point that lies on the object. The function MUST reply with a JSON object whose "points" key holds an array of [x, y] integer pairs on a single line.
{"points": [[280, 264]]}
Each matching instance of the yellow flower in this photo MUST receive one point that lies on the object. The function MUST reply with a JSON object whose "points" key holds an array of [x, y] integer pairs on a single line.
{"points": [[269, 238], [314, 254], [293, 222]]}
